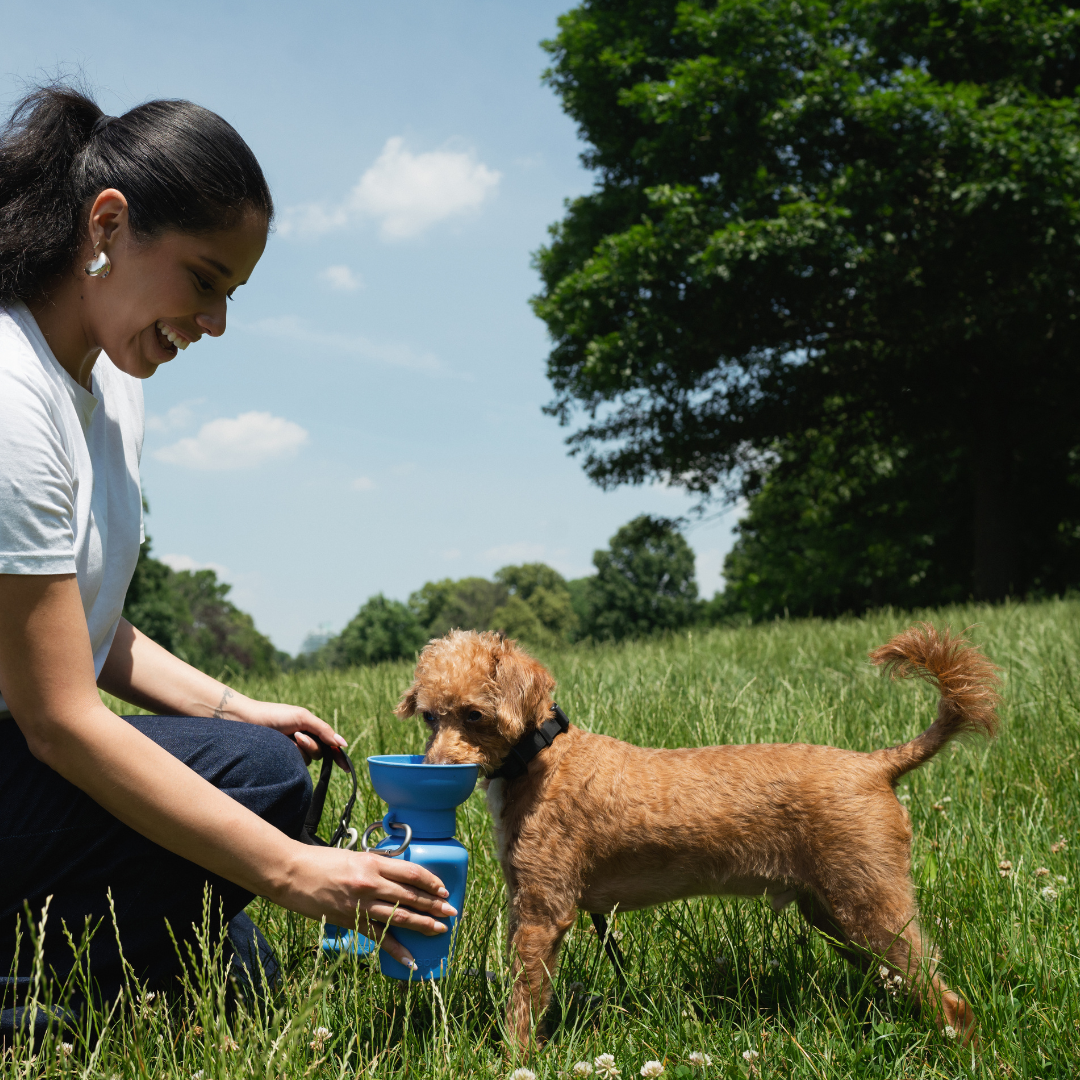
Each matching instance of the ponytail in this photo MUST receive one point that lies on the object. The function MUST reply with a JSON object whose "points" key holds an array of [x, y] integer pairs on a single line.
{"points": [[179, 166]]}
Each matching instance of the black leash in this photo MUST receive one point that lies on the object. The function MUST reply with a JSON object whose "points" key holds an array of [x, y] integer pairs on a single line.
{"points": [[309, 834], [529, 745]]}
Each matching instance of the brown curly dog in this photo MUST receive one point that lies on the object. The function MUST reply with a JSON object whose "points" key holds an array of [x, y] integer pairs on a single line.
{"points": [[814, 824]]}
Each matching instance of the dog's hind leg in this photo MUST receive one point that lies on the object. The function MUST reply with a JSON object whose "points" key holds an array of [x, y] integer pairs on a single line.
{"points": [[864, 938], [536, 940]]}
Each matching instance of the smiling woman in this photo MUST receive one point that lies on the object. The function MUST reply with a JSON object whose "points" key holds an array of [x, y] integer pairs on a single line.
{"points": [[121, 241]]}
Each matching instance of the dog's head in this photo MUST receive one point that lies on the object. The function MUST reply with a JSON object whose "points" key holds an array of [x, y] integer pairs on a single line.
{"points": [[478, 693]]}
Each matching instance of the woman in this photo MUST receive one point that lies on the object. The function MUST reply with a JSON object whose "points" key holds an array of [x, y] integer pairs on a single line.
{"points": [[122, 239]]}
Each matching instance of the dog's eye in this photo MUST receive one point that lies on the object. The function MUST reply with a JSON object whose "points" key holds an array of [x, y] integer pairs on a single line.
{"points": [[475, 715], [429, 719]]}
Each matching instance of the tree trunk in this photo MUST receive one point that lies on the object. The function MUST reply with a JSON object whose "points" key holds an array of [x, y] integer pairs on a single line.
{"points": [[994, 496]]}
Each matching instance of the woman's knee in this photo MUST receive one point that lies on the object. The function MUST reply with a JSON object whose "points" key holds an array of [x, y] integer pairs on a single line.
{"points": [[259, 767]]}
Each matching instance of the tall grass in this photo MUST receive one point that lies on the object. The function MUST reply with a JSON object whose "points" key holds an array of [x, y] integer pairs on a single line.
{"points": [[731, 979]]}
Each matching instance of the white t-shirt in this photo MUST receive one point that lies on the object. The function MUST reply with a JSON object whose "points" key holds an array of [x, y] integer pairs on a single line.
{"points": [[70, 499]]}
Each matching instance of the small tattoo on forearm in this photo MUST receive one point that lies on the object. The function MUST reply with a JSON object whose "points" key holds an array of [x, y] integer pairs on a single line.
{"points": [[219, 712]]}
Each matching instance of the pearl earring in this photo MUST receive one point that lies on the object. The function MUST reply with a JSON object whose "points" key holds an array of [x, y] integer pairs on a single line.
{"points": [[99, 265]]}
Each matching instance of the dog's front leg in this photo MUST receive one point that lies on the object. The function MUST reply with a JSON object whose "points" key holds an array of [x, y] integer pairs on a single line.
{"points": [[535, 941]]}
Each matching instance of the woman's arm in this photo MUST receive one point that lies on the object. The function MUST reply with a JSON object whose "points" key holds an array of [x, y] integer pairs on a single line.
{"points": [[47, 680], [140, 671]]}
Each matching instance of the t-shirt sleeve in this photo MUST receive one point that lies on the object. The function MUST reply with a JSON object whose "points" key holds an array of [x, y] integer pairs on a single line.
{"points": [[36, 482]]}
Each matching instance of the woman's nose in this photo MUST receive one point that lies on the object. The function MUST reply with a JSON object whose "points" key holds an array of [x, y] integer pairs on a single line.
{"points": [[211, 323]]}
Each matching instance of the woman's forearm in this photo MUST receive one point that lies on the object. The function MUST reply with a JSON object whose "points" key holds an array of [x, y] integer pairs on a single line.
{"points": [[138, 670]]}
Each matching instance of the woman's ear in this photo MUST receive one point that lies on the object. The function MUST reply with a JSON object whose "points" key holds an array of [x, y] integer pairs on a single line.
{"points": [[524, 692], [407, 705]]}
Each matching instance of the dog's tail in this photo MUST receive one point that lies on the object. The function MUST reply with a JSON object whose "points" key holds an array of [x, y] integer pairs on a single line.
{"points": [[969, 691]]}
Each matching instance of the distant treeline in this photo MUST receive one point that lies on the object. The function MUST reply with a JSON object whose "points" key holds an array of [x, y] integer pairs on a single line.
{"points": [[187, 612], [644, 584]]}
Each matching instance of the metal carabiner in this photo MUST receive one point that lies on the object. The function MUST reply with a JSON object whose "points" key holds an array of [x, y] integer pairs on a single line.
{"points": [[390, 852]]}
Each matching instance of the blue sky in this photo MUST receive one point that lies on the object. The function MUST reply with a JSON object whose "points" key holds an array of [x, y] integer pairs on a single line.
{"points": [[372, 418]]}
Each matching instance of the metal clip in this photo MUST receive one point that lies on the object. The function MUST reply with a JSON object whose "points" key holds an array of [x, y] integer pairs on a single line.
{"points": [[391, 852]]}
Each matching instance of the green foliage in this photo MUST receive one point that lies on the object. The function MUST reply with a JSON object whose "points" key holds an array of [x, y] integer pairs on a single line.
{"points": [[381, 630], [869, 208], [837, 526], [188, 613], [539, 607], [719, 976], [468, 604], [644, 582]]}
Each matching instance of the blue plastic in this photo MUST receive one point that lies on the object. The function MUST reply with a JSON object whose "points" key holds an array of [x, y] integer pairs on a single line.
{"points": [[425, 798]]}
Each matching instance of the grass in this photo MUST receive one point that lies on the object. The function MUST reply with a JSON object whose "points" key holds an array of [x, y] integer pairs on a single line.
{"points": [[727, 978]]}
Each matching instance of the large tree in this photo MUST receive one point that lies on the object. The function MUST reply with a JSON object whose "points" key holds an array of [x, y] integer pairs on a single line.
{"points": [[809, 211]]}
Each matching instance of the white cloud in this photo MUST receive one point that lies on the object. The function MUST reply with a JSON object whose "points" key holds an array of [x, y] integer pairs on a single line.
{"points": [[186, 562], [405, 192], [395, 354], [341, 278], [452, 553], [179, 416], [251, 439], [363, 483]]}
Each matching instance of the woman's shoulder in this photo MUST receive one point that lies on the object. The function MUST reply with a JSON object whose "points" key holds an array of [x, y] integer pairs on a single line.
{"points": [[23, 370]]}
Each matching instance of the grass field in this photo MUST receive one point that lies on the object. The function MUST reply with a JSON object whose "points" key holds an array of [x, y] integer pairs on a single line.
{"points": [[725, 978]]}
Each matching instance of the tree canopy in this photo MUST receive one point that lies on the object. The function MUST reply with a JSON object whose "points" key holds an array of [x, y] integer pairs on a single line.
{"points": [[815, 221], [644, 582]]}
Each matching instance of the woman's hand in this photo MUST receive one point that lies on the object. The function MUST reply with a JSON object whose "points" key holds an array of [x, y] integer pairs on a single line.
{"points": [[300, 724], [366, 892]]}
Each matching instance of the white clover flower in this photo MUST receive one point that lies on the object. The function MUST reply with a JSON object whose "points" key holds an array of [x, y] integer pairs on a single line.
{"points": [[1004, 868], [750, 1055], [652, 1068], [773, 963], [523, 1074], [948, 798], [883, 972], [950, 1031], [67, 1049], [197, 1075], [699, 1059], [229, 1043], [582, 1068], [1049, 893], [319, 1041], [1042, 871], [1060, 846], [605, 1066], [1060, 878]]}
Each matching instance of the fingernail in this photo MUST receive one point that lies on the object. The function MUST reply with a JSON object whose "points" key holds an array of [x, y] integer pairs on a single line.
{"points": [[411, 964], [342, 742], [444, 893], [448, 910], [440, 928]]}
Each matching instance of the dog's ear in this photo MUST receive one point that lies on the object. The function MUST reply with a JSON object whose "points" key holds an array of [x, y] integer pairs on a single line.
{"points": [[524, 691], [407, 705]]}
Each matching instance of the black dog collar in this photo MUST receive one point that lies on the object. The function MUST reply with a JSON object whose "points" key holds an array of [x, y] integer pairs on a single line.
{"points": [[528, 746]]}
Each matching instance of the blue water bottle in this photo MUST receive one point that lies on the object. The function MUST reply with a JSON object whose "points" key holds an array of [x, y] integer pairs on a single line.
{"points": [[419, 827]]}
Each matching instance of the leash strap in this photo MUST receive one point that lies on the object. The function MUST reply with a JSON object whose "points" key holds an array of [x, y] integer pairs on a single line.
{"points": [[310, 832], [529, 745]]}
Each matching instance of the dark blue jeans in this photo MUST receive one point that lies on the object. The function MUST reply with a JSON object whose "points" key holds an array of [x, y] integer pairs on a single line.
{"points": [[55, 840]]}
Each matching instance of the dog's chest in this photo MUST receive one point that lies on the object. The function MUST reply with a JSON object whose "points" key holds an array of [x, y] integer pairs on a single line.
{"points": [[496, 801]]}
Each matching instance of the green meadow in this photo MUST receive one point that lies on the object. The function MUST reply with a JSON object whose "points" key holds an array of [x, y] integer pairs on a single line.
{"points": [[995, 864]]}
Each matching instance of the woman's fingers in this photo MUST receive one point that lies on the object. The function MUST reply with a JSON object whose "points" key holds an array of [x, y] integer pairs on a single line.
{"points": [[411, 874], [386, 941], [396, 915]]}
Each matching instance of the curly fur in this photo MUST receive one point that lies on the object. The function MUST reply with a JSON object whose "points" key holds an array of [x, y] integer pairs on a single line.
{"points": [[597, 824]]}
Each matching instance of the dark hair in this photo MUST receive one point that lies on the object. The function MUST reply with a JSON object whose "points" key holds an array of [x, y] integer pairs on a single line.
{"points": [[179, 166]]}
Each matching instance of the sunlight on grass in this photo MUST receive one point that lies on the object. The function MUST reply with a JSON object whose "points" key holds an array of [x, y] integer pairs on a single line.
{"points": [[728, 979]]}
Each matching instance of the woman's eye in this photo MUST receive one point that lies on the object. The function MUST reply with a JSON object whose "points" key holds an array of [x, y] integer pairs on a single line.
{"points": [[475, 715], [203, 283]]}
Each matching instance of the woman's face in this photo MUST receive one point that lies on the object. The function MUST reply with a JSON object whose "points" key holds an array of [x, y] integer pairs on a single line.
{"points": [[163, 294]]}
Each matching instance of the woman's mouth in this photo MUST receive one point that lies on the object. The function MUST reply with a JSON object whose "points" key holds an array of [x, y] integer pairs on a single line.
{"points": [[169, 339]]}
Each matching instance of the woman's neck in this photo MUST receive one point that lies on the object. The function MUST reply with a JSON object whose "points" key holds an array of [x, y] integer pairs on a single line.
{"points": [[59, 318]]}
